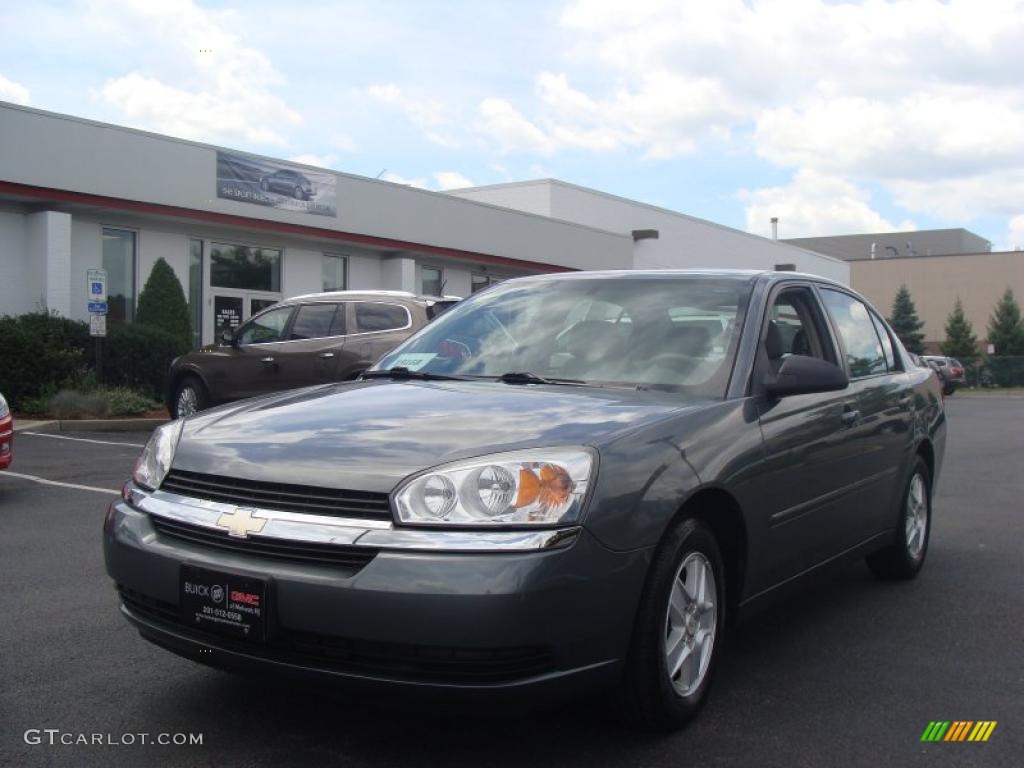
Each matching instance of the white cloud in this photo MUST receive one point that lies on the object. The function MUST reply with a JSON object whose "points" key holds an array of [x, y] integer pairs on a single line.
{"points": [[451, 180], [320, 161], [429, 115], [903, 94], [419, 182], [207, 84], [815, 204], [13, 92], [510, 129], [1015, 235]]}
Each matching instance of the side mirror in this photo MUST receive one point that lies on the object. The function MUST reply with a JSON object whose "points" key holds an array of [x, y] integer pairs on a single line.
{"points": [[801, 375], [227, 338]]}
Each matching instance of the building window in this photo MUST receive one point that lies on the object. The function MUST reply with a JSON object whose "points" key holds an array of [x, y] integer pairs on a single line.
{"points": [[478, 281], [245, 267], [431, 279], [195, 290], [334, 272], [119, 262]]}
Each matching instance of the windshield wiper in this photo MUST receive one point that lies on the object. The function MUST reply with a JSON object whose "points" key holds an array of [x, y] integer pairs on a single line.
{"points": [[526, 377], [401, 373]]}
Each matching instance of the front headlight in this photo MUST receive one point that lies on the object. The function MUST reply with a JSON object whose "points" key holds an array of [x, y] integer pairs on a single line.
{"points": [[4, 410], [155, 461], [545, 486]]}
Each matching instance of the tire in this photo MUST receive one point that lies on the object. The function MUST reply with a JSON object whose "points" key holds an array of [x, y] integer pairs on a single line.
{"points": [[649, 697], [190, 397], [904, 558]]}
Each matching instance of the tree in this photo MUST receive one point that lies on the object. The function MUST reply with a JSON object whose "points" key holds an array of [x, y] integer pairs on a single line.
{"points": [[960, 339], [1005, 328], [162, 304], [905, 323]]}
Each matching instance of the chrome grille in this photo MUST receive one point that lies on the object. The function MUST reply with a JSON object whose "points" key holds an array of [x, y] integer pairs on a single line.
{"points": [[308, 499], [338, 555]]}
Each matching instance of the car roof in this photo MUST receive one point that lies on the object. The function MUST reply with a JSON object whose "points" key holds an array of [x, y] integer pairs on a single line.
{"points": [[350, 295], [737, 274]]}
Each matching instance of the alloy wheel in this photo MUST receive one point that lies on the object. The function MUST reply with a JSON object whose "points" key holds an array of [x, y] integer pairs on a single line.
{"points": [[187, 403], [690, 624], [916, 521]]}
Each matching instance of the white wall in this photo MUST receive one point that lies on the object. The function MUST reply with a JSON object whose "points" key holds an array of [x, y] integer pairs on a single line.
{"points": [[86, 254], [364, 272], [301, 271], [18, 290], [61, 152], [683, 242]]}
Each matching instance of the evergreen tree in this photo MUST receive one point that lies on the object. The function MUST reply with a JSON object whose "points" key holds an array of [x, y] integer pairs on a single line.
{"points": [[960, 339], [905, 323], [1005, 327], [162, 304]]}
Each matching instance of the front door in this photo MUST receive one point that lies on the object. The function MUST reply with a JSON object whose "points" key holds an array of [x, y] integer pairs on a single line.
{"points": [[251, 365], [810, 465], [231, 308]]}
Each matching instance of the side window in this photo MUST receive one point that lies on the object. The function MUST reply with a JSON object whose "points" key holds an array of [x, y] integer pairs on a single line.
{"points": [[265, 328], [864, 353], [314, 321], [797, 323], [380, 317], [883, 334]]}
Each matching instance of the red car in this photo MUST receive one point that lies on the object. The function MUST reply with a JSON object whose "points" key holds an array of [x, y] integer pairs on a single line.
{"points": [[6, 434]]}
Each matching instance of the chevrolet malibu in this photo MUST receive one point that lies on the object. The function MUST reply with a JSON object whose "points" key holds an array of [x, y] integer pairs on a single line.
{"points": [[565, 482]]}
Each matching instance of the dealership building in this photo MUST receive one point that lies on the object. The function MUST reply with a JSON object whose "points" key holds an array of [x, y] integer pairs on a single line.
{"points": [[243, 231]]}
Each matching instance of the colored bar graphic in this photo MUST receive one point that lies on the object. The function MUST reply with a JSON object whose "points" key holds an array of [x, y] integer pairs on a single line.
{"points": [[958, 730], [935, 730]]}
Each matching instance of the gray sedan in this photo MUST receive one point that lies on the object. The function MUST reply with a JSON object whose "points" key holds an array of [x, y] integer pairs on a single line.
{"points": [[566, 482]]}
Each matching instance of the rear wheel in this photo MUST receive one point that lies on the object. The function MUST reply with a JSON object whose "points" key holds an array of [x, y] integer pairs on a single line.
{"points": [[189, 397], [678, 631], [904, 558]]}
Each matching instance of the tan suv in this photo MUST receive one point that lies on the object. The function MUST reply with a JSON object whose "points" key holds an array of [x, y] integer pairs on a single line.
{"points": [[305, 340]]}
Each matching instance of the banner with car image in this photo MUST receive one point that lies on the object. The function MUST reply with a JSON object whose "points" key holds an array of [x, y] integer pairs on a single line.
{"points": [[277, 185]]}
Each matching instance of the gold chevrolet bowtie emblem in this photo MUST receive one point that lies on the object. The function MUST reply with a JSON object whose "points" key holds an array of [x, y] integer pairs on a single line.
{"points": [[241, 523]]}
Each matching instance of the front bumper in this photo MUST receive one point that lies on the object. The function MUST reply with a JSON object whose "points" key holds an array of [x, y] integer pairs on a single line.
{"points": [[415, 618]]}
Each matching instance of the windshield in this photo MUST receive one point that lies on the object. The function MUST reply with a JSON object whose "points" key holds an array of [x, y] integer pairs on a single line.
{"points": [[673, 333]]}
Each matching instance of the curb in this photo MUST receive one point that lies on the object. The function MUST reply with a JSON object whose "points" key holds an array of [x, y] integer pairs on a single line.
{"points": [[94, 425]]}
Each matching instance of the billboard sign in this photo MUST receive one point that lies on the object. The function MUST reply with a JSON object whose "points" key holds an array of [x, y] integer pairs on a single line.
{"points": [[276, 185]]}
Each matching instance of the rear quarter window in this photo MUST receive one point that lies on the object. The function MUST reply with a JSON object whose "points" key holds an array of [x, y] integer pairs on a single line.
{"points": [[371, 317]]}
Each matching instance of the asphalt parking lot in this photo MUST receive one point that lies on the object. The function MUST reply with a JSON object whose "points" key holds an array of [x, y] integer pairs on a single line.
{"points": [[849, 673]]}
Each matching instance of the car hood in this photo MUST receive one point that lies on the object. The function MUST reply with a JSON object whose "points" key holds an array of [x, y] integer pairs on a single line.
{"points": [[370, 435]]}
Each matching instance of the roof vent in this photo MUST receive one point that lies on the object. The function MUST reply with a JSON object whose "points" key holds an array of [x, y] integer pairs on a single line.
{"points": [[645, 234]]}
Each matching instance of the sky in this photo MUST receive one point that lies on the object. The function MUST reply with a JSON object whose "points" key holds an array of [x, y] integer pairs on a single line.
{"points": [[836, 117]]}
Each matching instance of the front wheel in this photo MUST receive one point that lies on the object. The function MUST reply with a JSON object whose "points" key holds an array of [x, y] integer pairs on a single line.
{"points": [[904, 558], [189, 397], [678, 631]]}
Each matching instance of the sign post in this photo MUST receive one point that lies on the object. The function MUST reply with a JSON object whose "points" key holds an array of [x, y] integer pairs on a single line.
{"points": [[96, 281]]}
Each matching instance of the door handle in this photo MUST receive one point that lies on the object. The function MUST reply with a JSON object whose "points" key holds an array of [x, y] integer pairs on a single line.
{"points": [[850, 417], [266, 359], [326, 355]]}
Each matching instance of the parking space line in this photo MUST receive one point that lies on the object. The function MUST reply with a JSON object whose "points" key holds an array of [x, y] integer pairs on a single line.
{"points": [[44, 481], [83, 439]]}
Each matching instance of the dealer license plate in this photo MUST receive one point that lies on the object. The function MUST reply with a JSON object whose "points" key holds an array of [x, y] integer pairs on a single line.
{"points": [[224, 603]]}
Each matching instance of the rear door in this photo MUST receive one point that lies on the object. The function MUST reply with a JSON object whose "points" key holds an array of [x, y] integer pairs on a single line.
{"points": [[316, 341], [882, 399]]}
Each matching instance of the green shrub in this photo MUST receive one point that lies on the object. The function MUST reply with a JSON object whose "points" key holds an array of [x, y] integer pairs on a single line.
{"points": [[122, 401], [39, 354], [162, 304], [137, 356], [72, 404]]}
